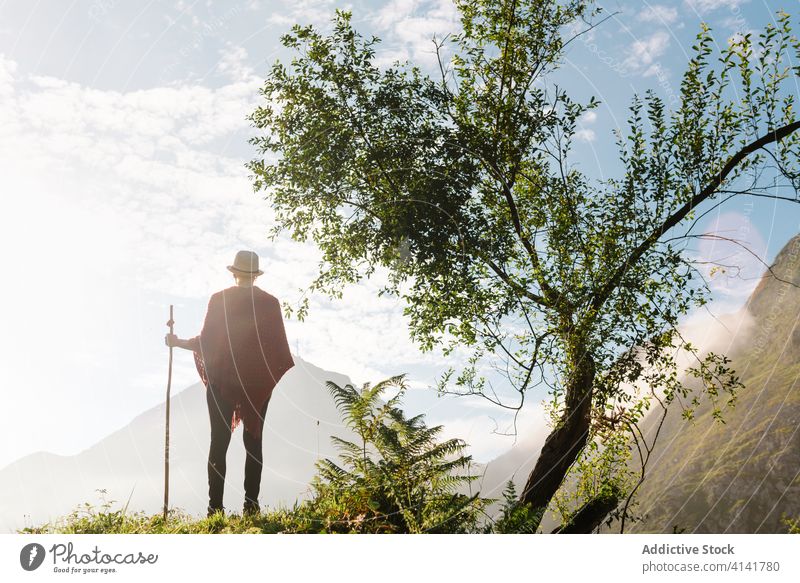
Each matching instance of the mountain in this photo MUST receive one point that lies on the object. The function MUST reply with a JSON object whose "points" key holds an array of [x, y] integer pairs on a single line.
{"points": [[742, 476], [129, 463]]}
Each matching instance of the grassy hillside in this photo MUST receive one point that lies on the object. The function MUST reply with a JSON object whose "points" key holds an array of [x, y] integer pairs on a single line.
{"points": [[743, 475], [740, 476]]}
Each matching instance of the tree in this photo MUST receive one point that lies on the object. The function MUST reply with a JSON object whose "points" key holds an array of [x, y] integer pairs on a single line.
{"points": [[459, 185]]}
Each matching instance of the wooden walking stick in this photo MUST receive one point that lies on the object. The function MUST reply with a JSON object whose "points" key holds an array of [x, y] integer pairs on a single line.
{"points": [[170, 323]]}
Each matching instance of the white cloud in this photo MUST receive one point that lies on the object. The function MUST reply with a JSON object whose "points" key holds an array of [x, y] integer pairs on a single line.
{"points": [[418, 32], [409, 27], [705, 6], [395, 11], [585, 135], [659, 14], [643, 53], [7, 70], [304, 12], [386, 58], [739, 27], [233, 64]]}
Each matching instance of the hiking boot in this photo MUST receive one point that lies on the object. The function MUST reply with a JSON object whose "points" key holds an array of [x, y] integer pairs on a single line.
{"points": [[213, 510], [250, 508]]}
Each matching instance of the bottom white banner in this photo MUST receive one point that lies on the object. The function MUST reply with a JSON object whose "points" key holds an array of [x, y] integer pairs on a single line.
{"points": [[118, 558]]}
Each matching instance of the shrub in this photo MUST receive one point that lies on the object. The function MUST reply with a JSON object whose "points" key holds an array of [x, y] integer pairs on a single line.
{"points": [[397, 479]]}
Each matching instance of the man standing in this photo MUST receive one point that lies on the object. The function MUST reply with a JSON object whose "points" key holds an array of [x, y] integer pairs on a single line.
{"points": [[240, 354]]}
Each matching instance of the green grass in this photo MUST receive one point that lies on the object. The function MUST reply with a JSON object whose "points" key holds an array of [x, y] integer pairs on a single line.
{"points": [[793, 524], [92, 520], [89, 519]]}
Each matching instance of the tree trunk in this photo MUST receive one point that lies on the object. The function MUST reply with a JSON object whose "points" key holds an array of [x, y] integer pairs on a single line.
{"points": [[590, 516], [566, 441]]}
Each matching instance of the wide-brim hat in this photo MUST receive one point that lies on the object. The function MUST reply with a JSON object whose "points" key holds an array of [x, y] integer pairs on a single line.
{"points": [[246, 263]]}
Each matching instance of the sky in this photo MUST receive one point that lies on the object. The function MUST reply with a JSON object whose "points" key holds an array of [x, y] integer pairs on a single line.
{"points": [[123, 139]]}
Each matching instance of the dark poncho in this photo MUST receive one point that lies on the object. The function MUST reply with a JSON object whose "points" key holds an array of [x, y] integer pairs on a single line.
{"points": [[242, 351]]}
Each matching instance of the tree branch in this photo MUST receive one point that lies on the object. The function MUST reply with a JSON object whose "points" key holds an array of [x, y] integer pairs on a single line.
{"points": [[775, 136]]}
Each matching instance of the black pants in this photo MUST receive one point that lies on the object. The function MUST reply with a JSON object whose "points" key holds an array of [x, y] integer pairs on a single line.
{"points": [[220, 415]]}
